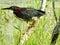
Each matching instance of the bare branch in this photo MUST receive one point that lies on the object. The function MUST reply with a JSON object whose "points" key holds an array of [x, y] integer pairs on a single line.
{"points": [[55, 33], [53, 5]]}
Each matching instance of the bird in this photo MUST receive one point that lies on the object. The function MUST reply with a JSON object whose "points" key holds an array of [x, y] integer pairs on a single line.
{"points": [[26, 14]]}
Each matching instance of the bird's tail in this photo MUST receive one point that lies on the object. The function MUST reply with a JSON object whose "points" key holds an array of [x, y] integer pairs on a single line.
{"points": [[41, 12]]}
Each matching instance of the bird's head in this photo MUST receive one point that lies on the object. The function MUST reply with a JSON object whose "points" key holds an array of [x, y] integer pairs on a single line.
{"points": [[11, 8]]}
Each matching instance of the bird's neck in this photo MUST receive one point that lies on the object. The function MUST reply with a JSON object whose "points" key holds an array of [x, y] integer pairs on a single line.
{"points": [[18, 9]]}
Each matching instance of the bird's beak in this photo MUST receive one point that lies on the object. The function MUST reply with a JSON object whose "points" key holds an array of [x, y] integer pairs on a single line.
{"points": [[5, 9]]}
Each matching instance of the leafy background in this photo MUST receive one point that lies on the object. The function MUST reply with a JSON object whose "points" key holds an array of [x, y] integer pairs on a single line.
{"points": [[12, 28]]}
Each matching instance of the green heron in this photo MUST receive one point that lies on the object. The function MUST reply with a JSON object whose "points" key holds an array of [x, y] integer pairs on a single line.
{"points": [[26, 14]]}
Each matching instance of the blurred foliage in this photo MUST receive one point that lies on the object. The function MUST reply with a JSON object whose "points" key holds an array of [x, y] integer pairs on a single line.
{"points": [[12, 28]]}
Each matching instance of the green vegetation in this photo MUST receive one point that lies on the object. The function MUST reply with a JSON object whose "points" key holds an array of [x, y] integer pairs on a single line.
{"points": [[11, 28]]}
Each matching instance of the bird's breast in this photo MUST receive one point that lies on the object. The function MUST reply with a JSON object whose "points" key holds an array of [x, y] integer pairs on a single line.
{"points": [[22, 16], [18, 14]]}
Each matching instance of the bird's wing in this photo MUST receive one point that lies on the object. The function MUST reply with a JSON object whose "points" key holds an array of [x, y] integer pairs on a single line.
{"points": [[30, 12]]}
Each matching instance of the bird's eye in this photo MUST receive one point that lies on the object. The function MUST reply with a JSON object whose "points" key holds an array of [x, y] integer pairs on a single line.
{"points": [[12, 7]]}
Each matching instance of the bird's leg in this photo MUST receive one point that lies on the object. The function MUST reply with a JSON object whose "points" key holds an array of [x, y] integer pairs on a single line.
{"points": [[29, 26], [32, 25]]}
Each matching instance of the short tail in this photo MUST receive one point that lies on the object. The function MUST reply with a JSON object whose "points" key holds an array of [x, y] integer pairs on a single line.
{"points": [[41, 12]]}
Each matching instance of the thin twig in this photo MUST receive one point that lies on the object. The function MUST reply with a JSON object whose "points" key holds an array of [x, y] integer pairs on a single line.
{"points": [[53, 5], [56, 29]]}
